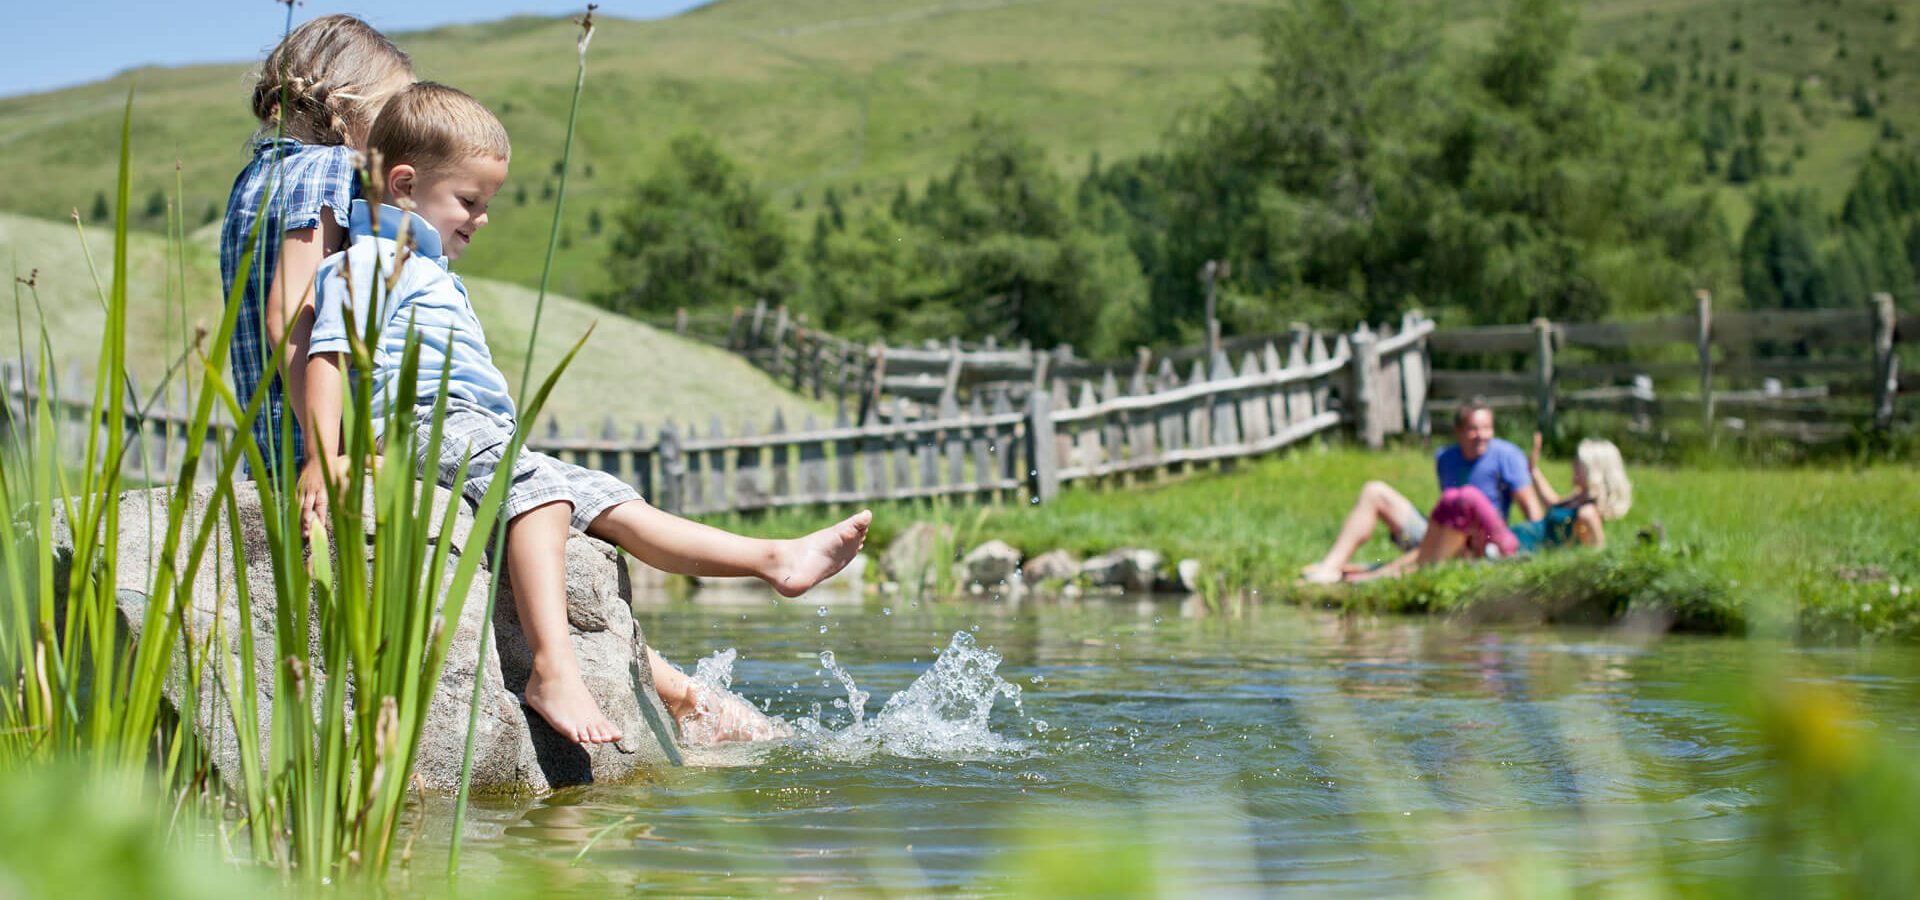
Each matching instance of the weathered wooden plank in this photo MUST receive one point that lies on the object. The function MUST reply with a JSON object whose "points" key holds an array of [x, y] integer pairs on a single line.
{"points": [[1199, 417], [846, 479], [1615, 335], [1224, 418], [1252, 404], [1466, 385], [719, 497], [1809, 327], [901, 442], [926, 451], [873, 455], [1483, 339]]}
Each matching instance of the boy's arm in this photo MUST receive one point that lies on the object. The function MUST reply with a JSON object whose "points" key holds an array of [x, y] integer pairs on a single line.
{"points": [[322, 398]]}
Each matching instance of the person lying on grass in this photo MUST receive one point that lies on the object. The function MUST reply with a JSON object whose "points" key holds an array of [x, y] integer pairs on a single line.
{"points": [[1495, 467], [444, 156], [1464, 522]]}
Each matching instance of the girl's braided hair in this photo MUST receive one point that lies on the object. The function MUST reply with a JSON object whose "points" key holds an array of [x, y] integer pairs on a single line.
{"points": [[327, 78]]}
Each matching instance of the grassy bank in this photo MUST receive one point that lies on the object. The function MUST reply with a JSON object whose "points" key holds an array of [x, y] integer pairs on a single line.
{"points": [[1823, 553]]}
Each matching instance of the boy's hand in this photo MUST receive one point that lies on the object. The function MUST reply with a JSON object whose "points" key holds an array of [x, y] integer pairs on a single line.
{"points": [[1533, 459]]}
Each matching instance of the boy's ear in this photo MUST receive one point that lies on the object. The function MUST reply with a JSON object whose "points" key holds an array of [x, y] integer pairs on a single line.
{"points": [[400, 181]]}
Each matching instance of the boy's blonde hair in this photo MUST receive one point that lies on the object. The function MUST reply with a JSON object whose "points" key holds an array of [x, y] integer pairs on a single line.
{"points": [[1607, 484], [327, 78], [430, 126]]}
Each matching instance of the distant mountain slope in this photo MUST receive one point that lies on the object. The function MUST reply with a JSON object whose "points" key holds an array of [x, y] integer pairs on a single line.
{"points": [[628, 372], [863, 95]]}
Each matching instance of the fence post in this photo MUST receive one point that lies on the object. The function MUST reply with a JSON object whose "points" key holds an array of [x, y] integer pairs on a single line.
{"points": [[1364, 378], [680, 321], [759, 319], [735, 338], [1543, 372], [1886, 363], [1043, 462], [1703, 305], [673, 470]]}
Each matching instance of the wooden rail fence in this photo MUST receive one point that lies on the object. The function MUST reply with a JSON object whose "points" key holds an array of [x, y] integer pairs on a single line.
{"points": [[1809, 375], [989, 448]]}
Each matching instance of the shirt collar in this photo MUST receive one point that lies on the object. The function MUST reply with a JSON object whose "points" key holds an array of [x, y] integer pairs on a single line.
{"points": [[426, 241]]}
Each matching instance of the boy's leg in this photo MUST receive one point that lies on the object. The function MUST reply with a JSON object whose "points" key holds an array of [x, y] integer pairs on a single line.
{"points": [[672, 544], [537, 565], [707, 715]]}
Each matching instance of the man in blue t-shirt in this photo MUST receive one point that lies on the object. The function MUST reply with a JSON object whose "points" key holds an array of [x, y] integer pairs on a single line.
{"points": [[1498, 468]]}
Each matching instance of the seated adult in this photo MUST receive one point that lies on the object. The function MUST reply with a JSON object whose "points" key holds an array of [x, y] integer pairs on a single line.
{"points": [[1464, 516], [1495, 467]]}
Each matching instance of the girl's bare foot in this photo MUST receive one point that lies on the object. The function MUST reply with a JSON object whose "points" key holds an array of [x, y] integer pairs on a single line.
{"points": [[807, 561], [563, 700]]}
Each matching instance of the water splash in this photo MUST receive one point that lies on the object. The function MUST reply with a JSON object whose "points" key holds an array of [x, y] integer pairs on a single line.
{"points": [[719, 713], [945, 713]]}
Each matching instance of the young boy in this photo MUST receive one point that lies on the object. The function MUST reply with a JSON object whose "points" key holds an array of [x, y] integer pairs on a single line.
{"points": [[445, 156]]}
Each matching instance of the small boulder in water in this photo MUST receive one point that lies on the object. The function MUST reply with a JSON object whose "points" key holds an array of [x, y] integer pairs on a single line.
{"points": [[992, 563], [910, 557], [1053, 565], [1131, 569]]}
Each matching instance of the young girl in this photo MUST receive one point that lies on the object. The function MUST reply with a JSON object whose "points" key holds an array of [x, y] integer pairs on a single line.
{"points": [[317, 94]]}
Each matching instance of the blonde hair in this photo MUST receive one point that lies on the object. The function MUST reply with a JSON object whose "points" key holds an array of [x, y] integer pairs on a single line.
{"points": [[326, 78], [431, 126], [1607, 484]]}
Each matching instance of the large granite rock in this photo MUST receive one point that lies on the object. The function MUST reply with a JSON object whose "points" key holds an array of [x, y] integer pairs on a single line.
{"points": [[514, 750]]}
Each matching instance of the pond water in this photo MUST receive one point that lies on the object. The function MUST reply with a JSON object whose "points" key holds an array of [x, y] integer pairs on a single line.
{"points": [[1147, 745]]}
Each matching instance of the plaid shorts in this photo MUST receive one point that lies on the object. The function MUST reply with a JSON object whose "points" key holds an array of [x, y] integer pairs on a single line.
{"points": [[480, 438]]}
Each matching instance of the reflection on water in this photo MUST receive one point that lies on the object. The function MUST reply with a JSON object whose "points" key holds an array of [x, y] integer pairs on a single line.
{"points": [[1148, 744]]}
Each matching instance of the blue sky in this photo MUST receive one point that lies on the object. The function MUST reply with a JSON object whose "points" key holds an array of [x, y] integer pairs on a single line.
{"points": [[54, 43]]}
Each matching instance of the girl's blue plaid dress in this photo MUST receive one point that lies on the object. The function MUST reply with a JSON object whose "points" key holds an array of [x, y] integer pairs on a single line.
{"points": [[285, 187]]}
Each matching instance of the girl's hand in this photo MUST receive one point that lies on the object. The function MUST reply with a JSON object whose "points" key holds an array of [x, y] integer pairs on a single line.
{"points": [[1533, 459]]}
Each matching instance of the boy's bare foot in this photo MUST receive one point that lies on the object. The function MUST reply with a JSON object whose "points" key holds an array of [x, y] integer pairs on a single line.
{"points": [[566, 704], [724, 716], [807, 561]]}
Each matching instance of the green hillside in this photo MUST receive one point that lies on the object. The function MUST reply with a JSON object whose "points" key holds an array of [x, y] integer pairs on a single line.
{"points": [[628, 372], [862, 95]]}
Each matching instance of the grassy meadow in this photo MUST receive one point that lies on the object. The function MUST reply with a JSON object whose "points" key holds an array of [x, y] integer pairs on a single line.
{"points": [[677, 378], [1829, 553], [864, 95]]}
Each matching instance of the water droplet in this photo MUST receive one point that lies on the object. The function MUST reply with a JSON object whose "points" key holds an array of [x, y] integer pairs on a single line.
{"points": [[886, 610], [1037, 679], [976, 627], [821, 612], [1156, 620], [823, 629], [1035, 501]]}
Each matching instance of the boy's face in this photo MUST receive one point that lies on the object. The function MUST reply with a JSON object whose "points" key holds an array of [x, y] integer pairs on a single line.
{"points": [[452, 199]]}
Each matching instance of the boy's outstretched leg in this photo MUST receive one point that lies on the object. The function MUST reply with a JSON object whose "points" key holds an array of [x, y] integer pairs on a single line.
{"points": [[537, 565], [672, 544]]}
